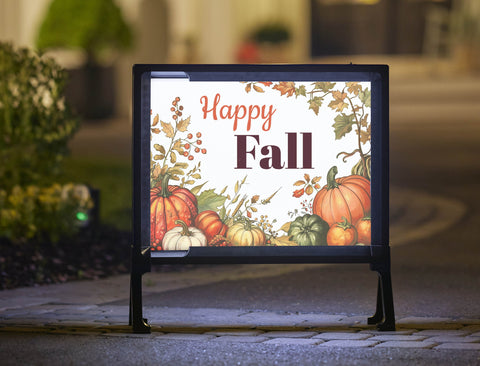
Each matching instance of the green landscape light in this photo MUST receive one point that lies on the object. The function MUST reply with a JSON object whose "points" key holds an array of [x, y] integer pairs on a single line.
{"points": [[82, 216]]}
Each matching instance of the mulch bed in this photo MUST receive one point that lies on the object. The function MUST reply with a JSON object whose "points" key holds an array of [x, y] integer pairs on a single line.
{"points": [[91, 254]]}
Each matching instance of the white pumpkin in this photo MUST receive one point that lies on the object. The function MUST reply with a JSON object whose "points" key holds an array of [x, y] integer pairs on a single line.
{"points": [[183, 237]]}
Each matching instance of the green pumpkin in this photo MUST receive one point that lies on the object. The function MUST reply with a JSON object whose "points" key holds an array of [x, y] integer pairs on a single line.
{"points": [[309, 230]]}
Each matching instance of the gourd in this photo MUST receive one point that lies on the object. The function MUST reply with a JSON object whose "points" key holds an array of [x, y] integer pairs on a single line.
{"points": [[244, 234], [168, 204], [210, 223], [347, 197], [360, 169], [183, 237], [308, 230]]}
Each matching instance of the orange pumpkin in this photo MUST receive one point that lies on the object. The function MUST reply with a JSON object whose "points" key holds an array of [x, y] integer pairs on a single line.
{"points": [[168, 204], [347, 197], [210, 223], [342, 233]]}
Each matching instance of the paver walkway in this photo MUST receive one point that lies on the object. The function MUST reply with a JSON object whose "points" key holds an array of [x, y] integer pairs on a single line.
{"points": [[240, 326]]}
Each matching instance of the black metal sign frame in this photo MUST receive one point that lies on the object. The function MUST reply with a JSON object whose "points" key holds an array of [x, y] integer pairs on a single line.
{"points": [[377, 254]]}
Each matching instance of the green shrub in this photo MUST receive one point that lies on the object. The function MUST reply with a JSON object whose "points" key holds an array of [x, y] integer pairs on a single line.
{"points": [[95, 26], [35, 122], [42, 214]]}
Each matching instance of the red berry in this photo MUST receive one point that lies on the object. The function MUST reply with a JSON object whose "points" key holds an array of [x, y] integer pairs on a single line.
{"points": [[174, 103], [199, 142], [177, 99], [181, 107], [199, 134], [187, 146], [172, 109], [185, 153], [189, 136], [204, 151], [190, 157], [179, 114], [175, 116], [197, 149]]}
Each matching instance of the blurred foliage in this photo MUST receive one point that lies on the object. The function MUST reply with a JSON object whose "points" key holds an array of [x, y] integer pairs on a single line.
{"points": [[42, 214], [271, 33], [113, 179], [35, 122], [95, 26]]}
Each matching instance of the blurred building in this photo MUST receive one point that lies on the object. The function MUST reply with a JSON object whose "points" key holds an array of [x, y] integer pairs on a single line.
{"points": [[230, 31]]}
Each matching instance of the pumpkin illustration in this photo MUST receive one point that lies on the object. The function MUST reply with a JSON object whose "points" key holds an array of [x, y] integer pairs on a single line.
{"points": [[308, 230], [342, 233], [168, 204], [347, 197], [364, 230], [210, 223], [183, 237], [244, 234]]}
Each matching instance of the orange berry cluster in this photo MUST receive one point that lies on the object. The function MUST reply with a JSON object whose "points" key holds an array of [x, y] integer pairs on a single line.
{"points": [[194, 145], [177, 108]]}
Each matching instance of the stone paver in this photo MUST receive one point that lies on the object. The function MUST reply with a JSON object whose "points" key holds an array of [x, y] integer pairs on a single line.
{"points": [[407, 344], [349, 343], [427, 323], [239, 326], [395, 337], [235, 332], [294, 341], [454, 339], [241, 339], [292, 334], [343, 336], [461, 346], [187, 337], [443, 332]]}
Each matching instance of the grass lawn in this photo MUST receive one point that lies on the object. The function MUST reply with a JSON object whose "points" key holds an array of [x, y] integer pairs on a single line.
{"points": [[114, 180]]}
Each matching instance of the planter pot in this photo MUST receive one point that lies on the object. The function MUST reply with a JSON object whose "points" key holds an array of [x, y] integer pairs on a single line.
{"points": [[90, 91]]}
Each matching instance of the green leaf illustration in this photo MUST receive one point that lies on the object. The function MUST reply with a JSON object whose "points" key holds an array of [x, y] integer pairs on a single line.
{"points": [[209, 200], [324, 86], [343, 125], [197, 189], [365, 97], [301, 90], [315, 104]]}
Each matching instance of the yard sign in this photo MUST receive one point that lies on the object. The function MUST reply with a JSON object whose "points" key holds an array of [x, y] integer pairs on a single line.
{"points": [[261, 164]]}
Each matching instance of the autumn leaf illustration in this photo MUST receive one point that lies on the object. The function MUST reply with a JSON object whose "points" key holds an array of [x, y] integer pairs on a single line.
{"points": [[365, 97], [315, 104], [155, 120], [324, 86], [168, 129], [182, 125], [354, 87], [301, 90], [299, 192], [308, 186], [343, 125], [338, 102], [285, 88]]}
